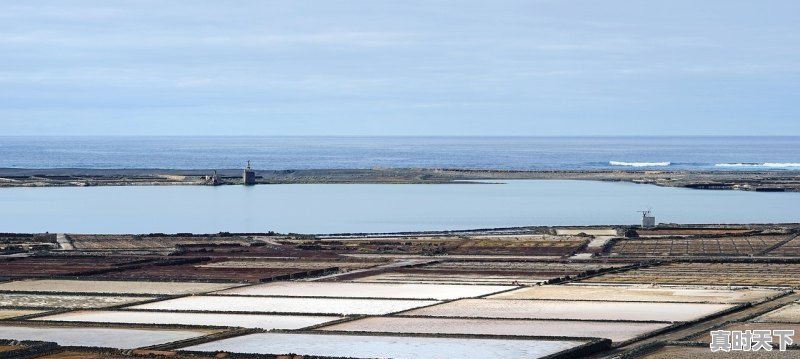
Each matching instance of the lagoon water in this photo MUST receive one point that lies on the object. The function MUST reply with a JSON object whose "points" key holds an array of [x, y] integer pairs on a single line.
{"points": [[343, 208]]}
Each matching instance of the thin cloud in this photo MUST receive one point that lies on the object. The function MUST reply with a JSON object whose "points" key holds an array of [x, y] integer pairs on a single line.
{"points": [[363, 39]]}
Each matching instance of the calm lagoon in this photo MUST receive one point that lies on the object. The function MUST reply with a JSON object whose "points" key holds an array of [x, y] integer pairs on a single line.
{"points": [[340, 208]]}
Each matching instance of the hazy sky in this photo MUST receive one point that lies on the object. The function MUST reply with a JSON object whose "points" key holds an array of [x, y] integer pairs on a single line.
{"points": [[399, 67]]}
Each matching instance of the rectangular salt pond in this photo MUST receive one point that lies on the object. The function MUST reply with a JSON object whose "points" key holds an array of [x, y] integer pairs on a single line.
{"points": [[616, 331], [259, 321], [113, 287], [355, 346], [99, 337], [639, 294], [446, 278], [368, 290], [342, 306], [589, 231], [705, 336], [577, 310], [789, 313], [65, 301]]}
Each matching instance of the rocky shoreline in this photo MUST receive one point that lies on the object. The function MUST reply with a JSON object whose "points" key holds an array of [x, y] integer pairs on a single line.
{"points": [[764, 181]]}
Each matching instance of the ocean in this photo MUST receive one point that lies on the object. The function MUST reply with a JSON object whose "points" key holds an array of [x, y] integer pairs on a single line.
{"points": [[512, 153]]}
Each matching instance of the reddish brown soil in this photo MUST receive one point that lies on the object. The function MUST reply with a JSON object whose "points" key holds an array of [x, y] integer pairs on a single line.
{"points": [[721, 274], [701, 246], [62, 265], [690, 231], [15, 238], [536, 247], [235, 250], [544, 270], [789, 249], [134, 354], [197, 272]]}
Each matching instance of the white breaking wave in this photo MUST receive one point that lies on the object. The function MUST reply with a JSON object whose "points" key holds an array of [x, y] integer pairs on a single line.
{"points": [[766, 164], [640, 164], [737, 165]]}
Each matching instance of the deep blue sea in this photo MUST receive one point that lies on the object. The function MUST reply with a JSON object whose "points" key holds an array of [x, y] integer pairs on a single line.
{"points": [[520, 153]]}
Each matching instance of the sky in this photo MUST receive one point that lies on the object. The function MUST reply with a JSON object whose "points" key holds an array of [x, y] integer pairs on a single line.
{"points": [[389, 67]]}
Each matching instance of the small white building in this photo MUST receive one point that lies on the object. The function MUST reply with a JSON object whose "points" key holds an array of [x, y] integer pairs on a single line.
{"points": [[648, 221]]}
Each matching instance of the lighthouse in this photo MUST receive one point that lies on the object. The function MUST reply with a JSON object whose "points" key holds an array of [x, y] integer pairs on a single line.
{"points": [[249, 176]]}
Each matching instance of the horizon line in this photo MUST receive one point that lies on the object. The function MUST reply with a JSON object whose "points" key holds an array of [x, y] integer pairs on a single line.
{"points": [[403, 136]]}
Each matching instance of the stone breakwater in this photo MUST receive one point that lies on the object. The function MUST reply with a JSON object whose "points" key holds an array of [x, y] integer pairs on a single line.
{"points": [[769, 181]]}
